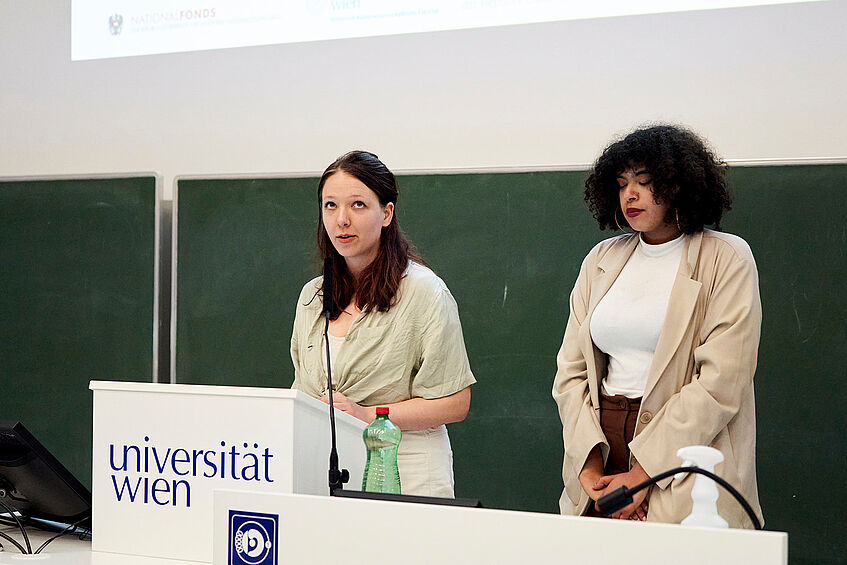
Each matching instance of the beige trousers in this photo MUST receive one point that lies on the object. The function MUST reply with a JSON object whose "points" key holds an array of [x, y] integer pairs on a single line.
{"points": [[425, 461]]}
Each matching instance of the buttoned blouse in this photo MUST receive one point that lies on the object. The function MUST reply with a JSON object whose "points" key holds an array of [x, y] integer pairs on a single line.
{"points": [[415, 349]]}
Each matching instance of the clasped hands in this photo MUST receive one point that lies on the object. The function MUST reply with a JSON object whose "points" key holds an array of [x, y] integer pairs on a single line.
{"points": [[596, 484]]}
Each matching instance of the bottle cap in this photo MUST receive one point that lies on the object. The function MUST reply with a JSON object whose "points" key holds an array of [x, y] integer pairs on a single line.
{"points": [[382, 410]]}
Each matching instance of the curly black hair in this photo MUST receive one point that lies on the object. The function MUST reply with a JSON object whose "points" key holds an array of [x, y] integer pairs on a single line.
{"points": [[686, 175]]}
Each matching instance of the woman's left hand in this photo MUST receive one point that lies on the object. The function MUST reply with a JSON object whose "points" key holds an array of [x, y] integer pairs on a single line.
{"points": [[638, 509], [344, 404]]}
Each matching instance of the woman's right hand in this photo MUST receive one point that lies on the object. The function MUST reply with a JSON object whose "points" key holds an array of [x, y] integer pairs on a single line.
{"points": [[591, 472]]}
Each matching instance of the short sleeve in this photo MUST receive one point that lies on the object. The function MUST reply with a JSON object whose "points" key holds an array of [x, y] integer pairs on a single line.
{"points": [[444, 368], [299, 336], [295, 349]]}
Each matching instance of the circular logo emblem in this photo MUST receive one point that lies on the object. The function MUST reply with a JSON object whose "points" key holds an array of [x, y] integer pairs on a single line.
{"points": [[252, 542]]}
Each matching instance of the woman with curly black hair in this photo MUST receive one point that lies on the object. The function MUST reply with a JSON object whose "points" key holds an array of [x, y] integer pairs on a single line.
{"points": [[661, 342]]}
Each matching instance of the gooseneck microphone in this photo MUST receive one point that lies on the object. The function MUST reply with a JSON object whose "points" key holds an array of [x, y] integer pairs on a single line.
{"points": [[337, 477]]}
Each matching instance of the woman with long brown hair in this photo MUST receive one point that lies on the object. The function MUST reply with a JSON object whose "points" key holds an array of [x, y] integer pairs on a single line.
{"points": [[394, 331]]}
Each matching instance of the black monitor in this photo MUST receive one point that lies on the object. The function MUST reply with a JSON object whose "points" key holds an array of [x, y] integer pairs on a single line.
{"points": [[33, 482]]}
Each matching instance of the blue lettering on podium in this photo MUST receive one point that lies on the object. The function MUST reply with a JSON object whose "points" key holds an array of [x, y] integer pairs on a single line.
{"points": [[141, 473]]}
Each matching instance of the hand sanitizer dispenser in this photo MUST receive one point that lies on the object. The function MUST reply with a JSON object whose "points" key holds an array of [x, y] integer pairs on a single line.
{"points": [[704, 494]]}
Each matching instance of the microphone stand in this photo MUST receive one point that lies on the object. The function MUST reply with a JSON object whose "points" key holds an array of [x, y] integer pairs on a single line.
{"points": [[337, 477]]}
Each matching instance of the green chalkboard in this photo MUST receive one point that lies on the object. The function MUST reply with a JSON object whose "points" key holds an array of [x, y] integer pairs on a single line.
{"points": [[509, 246], [243, 253], [792, 219], [76, 302]]}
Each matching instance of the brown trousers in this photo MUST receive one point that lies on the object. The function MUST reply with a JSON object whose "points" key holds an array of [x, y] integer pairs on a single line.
{"points": [[618, 416]]}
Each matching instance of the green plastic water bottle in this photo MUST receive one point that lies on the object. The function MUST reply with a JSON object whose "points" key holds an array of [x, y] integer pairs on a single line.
{"points": [[382, 438]]}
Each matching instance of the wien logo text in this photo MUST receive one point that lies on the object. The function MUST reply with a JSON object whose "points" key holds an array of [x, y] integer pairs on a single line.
{"points": [[147, 473]]}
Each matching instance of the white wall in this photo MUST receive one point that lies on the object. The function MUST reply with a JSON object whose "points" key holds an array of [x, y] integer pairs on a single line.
{"points": [[765, 82]]}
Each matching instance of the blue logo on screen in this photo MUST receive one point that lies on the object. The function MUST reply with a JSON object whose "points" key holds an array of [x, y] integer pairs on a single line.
{"points": [[252, 538]]}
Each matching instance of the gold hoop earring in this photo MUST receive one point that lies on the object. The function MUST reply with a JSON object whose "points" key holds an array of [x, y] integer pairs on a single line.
{"points": [[677, 221], [619, 224]]}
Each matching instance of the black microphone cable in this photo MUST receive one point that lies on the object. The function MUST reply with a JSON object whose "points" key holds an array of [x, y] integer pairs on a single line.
{"points": [[622, 496], [14, 516], [71, 528]]}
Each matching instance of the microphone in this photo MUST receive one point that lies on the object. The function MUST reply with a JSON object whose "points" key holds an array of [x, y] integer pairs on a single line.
{"points": [[327, 286], [337, 477]]}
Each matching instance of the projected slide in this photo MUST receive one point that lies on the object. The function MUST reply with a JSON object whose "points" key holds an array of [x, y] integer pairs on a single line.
{"points": [[119, 28]]}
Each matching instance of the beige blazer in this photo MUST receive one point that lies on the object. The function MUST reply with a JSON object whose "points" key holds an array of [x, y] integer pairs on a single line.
{"points": [[700, 386]]}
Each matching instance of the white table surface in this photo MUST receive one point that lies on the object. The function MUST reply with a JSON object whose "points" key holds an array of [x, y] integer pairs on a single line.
{"points": [[68, 550]]}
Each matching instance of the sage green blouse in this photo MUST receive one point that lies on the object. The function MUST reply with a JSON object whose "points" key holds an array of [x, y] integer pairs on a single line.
{"points": [[416, 349]]}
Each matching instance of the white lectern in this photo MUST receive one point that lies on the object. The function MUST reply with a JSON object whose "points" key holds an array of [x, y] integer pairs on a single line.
{"points": [[255, 529], [160, 450]]}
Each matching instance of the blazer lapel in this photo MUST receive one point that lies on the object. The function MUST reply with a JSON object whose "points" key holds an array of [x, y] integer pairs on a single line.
{"points": [[609, 267], [681, 306]]}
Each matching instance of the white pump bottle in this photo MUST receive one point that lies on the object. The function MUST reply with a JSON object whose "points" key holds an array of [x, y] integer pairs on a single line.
{"points": [[704, 494]]}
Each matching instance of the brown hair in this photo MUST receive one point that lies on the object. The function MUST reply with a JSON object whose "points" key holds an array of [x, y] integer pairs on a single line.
{"points": [[376, 286]]}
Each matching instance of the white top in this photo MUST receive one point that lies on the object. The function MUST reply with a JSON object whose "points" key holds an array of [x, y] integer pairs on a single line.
{"points": [[628, 320], [335, 343]]}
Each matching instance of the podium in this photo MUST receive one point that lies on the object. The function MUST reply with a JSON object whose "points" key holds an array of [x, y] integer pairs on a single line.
{"points": [[256, 529], [160, 451]]}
